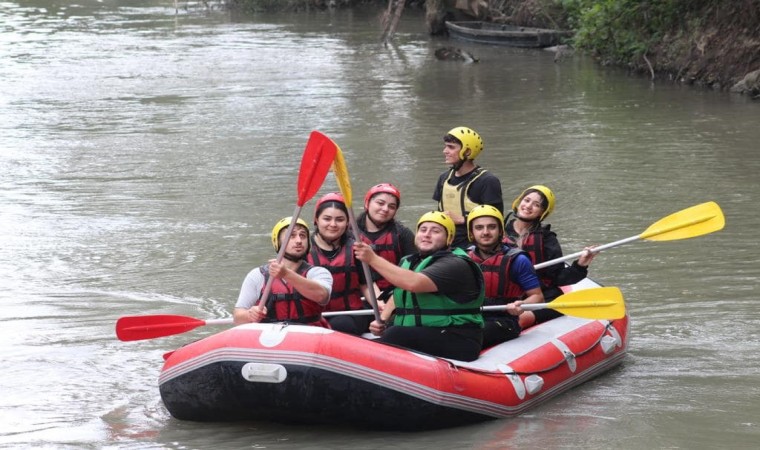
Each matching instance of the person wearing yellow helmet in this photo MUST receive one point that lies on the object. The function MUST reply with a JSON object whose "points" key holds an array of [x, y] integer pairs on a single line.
{"points": [[438, 294], [525, 229], [298, 291], [332, 249], [465, 185], [509, 275]]}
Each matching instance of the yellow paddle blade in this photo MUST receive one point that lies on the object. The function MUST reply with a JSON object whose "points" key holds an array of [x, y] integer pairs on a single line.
{"points": [[604, 303], [688, 223], [341, 175]]}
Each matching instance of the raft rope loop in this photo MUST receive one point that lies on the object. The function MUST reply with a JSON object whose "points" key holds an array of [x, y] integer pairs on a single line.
{"points": [[604, 333]]}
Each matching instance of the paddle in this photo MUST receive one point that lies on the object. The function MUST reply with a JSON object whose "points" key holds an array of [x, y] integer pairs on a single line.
{"points": [[136, 328], [605, 303], [688, 223], [341, 174], [317, 158]]}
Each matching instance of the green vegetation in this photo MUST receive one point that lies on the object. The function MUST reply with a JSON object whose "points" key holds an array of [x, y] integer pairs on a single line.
{"points": [[708, 42], [621, 31]]}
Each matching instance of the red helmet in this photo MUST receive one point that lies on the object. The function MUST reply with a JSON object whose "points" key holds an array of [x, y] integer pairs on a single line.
{"points": [[331, 197], [382, 188]]}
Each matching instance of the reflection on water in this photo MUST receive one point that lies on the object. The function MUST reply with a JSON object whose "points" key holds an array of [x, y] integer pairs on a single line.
{"points": [[146, 155]]}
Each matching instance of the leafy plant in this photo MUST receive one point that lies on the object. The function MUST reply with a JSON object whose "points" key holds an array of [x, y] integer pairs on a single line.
{"points": [[620, 31]]}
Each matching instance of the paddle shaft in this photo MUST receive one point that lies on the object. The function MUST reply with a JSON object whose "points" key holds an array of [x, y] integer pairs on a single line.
{"points": [[281, 253], [580, 253], [694, 221], [344, 183], [599, 303], [524, 306], [366, 312], [365, 267], [136, 328]]}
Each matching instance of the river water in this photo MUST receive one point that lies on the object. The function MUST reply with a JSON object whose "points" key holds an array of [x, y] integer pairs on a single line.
{"points": [[145, 156]]}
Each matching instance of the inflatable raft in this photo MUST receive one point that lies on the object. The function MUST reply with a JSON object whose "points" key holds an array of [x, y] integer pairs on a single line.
{"points": [[303, 374]]}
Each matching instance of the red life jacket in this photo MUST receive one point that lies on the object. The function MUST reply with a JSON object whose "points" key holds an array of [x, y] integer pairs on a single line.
{"points": [[533, 245], [386, 246], [285, 304], [346, 295], [500, 289]]}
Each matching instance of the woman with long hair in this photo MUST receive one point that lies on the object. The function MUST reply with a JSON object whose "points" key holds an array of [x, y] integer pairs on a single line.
{"points": [[331, 248], [525, 229]]}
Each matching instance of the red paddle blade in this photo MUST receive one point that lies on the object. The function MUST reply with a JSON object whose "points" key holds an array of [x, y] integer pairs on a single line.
{"points": [[317, 158], [135, 328]]}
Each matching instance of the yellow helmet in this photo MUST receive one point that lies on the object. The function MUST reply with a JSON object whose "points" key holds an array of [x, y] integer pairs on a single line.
{"points": [[281, 225], [543, 190], [470, 141], [442, 220], [484, 211]]}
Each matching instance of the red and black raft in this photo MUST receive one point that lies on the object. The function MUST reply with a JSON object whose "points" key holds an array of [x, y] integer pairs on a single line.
{"points": [[304, 374]]}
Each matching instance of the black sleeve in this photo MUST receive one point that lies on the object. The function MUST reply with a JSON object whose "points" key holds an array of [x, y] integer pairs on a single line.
{"points": [[572, 274], [486, 190], [560, 274], [552, 250], [439, 188], [406, 239], [455, 278]]}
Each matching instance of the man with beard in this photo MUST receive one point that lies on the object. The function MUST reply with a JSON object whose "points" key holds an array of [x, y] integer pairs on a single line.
{"points": [[509, 275], [299, 290], [438, 294]]}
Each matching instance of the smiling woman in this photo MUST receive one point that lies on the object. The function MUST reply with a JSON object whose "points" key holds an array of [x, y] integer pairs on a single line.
{"points": [[332, 248], [378, 227], [525, 230]]}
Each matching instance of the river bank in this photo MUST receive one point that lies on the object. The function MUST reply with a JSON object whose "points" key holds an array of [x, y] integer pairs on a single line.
{"points": [[710, 43]]}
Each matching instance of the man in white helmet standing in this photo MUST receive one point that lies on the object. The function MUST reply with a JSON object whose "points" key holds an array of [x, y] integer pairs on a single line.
{"points": [[465, 185]]}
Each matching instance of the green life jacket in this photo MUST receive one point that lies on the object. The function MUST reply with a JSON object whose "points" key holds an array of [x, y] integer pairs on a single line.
{"points": [[433, 309]]}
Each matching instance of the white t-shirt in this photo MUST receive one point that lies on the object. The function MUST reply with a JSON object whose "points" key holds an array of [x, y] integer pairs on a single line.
{"points": [[254, 283]]}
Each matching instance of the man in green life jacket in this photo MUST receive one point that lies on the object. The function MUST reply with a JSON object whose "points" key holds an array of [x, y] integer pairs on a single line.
{"points": [[438, 294], [465, 185]]}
